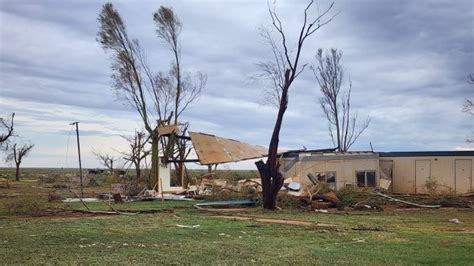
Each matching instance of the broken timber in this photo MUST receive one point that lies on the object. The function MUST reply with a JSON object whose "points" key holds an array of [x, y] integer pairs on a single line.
{"points": [[407, 202]]}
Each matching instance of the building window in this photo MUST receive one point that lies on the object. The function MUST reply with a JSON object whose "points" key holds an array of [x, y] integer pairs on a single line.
{"points": [[365, 178], [328, 177]]}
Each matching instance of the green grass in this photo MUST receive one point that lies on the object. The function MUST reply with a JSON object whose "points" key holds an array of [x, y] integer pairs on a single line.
{"points": [[403, 238], [407, 238]]}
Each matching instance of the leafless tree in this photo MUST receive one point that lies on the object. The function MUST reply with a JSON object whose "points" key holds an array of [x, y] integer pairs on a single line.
{"points": [[156, 97], [283, 71], [186, 90], [6, 127], [137, 151], [16, 154], [184, 86], [344, 126], [468, 108], [105, 160]]}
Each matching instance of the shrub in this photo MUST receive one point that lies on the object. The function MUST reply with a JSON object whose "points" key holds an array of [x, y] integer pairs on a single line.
{"points": [[348, 196], [432, 187], [288, 201]]}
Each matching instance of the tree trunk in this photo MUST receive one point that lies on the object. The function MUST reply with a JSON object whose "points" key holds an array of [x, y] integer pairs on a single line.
{"points": [[154, 161], [184, 176], [272, 179], [17, 173], [180, 174], [138, 171]]}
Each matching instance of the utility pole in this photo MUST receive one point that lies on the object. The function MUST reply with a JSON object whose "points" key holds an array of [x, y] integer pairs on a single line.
{"points": [[79, 153]]}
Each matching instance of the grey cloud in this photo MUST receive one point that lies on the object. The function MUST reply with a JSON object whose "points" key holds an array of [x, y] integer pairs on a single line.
{"points": [[408, 61]]}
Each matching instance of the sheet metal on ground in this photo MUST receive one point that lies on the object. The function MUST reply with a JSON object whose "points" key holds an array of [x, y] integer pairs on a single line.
{"points": [[214, 150]]}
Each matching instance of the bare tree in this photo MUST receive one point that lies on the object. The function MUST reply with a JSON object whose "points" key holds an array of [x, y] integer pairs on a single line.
{"points": [[183, 86], [168, 28], [7, 126], [468, 108], [283, 71], [137, 151], [105, 160], [344, 126], [156, 97], [16, 154]]}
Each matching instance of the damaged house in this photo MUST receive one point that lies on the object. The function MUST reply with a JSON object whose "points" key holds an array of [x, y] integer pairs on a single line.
{"points": [[400, 172]]}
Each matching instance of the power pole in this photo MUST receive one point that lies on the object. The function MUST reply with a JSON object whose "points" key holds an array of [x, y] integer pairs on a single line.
{"points": [[79, 153]]}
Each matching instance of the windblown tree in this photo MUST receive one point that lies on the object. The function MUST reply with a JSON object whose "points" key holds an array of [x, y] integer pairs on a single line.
{"points": [[16, 154], [184, 87], [105, 160], [283, 70], [137, 151], [6, 129], [344, 125], [159, 98]]}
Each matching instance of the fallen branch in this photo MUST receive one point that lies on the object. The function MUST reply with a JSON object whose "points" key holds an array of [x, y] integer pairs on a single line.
{"points": [[106, 212], [274, 221], [115, 212], [110, 206], [77, 196], [407, 202]]}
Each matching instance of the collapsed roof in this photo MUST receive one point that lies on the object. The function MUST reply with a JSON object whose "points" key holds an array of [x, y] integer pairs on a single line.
{"points": [[211, 149]]}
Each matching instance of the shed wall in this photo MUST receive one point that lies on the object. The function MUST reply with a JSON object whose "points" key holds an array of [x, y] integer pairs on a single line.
{"points": [[345, 169], [406, 170]]}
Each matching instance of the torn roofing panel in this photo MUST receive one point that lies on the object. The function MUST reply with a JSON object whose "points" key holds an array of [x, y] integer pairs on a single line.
{"points": [[166, 130], [214, 150]]}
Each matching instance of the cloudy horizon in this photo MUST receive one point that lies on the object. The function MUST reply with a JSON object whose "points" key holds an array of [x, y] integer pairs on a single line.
{"points": [[408, 61]]}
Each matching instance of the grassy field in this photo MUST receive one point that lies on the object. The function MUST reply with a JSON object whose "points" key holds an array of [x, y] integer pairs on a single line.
{"points": [[394, 236]]}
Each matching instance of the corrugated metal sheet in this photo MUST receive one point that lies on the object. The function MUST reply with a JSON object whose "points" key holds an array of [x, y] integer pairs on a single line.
{"points": [[214, 150]]}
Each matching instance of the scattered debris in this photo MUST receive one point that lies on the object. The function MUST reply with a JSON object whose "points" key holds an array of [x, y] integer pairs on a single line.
{"points": [[455, 220], [117, 198], [385, 183], [175, 197], [126, 189], [4, 182], [359, 240], [368, 228], [226, 204], [71, 200], [274, 221], [367, 206], [407, 202], [252, 183], [53, 197], [294, 186], [188, 226]]}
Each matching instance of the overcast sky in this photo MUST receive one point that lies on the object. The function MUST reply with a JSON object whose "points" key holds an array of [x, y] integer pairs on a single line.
{"points": [[408, 61]]}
